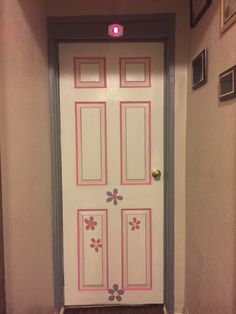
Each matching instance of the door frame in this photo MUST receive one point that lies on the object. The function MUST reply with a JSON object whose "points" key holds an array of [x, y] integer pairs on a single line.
{"points": [[137, 28], [2, 272]]}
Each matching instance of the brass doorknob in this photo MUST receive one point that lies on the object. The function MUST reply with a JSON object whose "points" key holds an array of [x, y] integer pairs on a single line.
{"points": [[156, 174]]}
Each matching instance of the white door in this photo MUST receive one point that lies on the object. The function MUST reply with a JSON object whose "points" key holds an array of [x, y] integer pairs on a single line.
{"points": [[111, 108]]}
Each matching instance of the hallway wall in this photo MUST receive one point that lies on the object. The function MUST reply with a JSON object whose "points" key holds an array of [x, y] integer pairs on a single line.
{"points": [[105, 7], [25, 143], [25, 153], [211, 176]]}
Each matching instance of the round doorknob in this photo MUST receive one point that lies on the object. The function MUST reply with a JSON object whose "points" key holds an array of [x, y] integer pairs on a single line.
{"points": [[156, 174]]}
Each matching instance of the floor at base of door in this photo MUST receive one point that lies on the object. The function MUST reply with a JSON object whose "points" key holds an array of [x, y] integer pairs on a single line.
{"points": [[147, 309]]}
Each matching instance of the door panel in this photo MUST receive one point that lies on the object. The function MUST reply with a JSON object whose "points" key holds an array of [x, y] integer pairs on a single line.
{"points": [[91, 151], [135, 145], [111, 108]]}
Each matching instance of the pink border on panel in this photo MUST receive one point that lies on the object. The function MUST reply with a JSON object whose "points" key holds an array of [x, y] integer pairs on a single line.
{"points": [[145, 142], [104, 76], [149, 210], [103, 180], [147, 72], [105, 259], [124, 181], [81, 141]]}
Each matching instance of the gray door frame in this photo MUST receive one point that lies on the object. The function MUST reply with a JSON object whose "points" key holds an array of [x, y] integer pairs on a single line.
{"points": [[2, 272], [137, 28]]}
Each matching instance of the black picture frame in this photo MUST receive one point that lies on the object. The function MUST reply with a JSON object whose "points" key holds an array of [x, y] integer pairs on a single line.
{"points": [[227, 84], [199, 70], [197, 9]]}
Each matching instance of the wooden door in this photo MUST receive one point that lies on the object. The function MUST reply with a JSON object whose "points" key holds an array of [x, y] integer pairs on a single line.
{"points": [[111, 110]]}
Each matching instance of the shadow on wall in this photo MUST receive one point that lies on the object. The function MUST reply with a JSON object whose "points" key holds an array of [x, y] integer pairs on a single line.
{"points": [[37, 8]]}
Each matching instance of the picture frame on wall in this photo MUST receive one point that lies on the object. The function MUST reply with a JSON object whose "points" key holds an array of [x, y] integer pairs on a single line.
{"points": [[227, 84], [199, 70], [197, 9], [228, 14]]}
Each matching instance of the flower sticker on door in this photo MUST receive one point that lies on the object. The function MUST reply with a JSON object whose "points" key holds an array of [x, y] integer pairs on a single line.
{"points": [[90, 223], [135, 223], [96, 244], [114, 197], [115, 293]]}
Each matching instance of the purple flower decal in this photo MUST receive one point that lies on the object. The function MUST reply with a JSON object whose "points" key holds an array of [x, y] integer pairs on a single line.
{"points": [[114, 197], [90, 223], [115, 293], [96, 244], [135, 224]]}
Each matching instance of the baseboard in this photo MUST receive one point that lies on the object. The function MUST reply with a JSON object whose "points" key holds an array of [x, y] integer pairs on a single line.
{"points": [[186, 311], [61, 311], [165, 312]]}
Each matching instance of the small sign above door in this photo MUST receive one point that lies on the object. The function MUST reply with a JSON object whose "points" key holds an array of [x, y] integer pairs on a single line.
{"points": [[115, 30]]}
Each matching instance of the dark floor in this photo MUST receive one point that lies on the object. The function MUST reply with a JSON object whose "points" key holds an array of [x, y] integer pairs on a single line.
{"points": [[147, 309]]}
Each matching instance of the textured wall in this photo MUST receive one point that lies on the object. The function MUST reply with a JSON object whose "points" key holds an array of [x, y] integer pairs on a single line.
{"points": [[25, 148], [80, 7], [25, 143], [211, 177]]}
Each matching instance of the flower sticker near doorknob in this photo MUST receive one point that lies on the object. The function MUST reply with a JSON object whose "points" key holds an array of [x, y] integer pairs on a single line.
{"points": [[114, 197]]}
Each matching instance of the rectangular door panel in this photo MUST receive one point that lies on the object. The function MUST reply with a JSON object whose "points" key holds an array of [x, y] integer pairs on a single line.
{"points": [[135, 142], [90, 123]]}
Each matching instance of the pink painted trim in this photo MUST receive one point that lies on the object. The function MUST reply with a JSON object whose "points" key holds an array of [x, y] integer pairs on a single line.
{"points": [[150, 222], [76, 144], [102, 64], [145, 144], [121, 146], [122, 249], [126, 181], [81, 141], [147, 64], [104, 252], [105, 142], [103, 148], [150, 143]]}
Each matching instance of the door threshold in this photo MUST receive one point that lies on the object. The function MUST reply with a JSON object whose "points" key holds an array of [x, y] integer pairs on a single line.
{"points": [[110, 305]]}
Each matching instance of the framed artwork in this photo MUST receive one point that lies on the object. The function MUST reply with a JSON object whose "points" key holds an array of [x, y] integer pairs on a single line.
{"points": [[228, 13], [199, 70], [227, 84], [197, 9]]}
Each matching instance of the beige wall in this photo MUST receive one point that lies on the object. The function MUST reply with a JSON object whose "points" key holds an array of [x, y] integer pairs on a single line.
{"points": [[211, 177], [25, 145]]}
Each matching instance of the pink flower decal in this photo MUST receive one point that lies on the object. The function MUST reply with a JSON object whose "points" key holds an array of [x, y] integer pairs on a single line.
{"points": [[96, 244], [114, 197], [115, 293], [90, 223], [135, 224]]}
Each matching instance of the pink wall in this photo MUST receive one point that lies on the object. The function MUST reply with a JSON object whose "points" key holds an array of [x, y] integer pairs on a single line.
{"points": [[25, 148], [211, 177], [25, 142]]}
